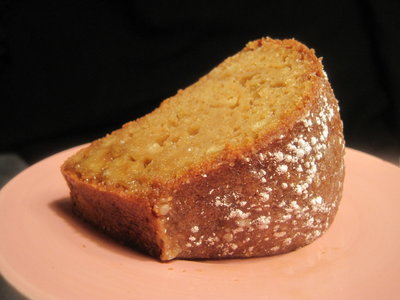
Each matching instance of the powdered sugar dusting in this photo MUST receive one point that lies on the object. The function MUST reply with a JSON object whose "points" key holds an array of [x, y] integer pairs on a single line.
{"points": [[237, 213], [194, 229], [282, 169], [285, 206]]}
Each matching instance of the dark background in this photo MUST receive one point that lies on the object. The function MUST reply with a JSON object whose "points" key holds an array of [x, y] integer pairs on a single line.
{"points": [[71, 71]]}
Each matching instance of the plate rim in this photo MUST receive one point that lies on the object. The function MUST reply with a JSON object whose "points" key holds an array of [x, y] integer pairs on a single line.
{"points": [[10, 275]]}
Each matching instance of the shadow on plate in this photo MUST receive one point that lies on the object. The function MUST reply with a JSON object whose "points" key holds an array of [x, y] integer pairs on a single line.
{"points": [[63, 208]]}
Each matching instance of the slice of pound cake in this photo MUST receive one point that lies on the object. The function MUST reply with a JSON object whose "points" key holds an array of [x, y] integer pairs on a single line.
{"points": [[246, 162]]}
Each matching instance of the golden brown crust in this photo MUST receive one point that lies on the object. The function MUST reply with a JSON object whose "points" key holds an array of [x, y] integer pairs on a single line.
{"points": [[117, 214], [271, 197]]}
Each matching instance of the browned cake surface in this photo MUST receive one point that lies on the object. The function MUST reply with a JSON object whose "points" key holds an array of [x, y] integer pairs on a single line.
{"points": [[248, 161]]}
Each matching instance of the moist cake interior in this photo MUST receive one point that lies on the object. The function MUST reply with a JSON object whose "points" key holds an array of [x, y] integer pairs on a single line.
{"points": [[245, 98]]}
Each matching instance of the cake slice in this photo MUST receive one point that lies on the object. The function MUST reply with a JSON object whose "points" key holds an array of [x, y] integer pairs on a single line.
{"points": [[246, 162]]}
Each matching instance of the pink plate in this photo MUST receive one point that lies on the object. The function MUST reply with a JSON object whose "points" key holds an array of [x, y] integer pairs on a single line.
{"points": [[46, 253]]}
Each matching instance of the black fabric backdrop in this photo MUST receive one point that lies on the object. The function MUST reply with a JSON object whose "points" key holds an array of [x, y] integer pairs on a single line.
{"points": [[72, 71]]}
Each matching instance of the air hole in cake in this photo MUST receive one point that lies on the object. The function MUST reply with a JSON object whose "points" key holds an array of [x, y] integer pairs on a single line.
{"points": [[245, 79], [194, 130], [161, 140], [233, 102], [278, 84], [173, 123], [175, 139], [146, 162]]}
